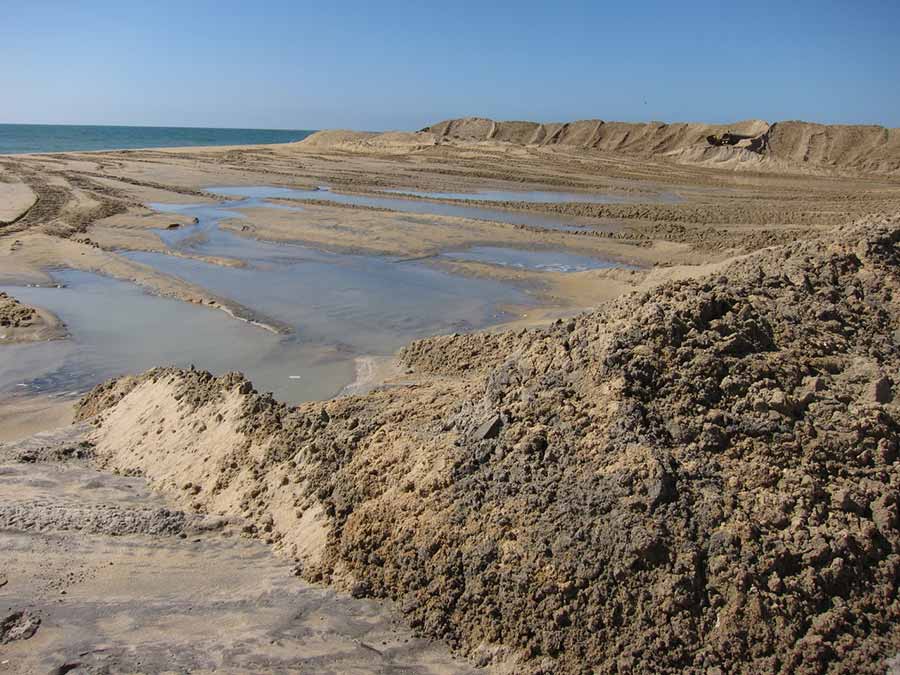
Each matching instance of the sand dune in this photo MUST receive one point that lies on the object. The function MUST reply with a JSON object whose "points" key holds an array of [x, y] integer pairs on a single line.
{"points": [[780, 147]]}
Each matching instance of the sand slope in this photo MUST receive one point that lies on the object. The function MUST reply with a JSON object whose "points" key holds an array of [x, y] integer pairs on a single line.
{"points": [[783, 146], [15, 200]]}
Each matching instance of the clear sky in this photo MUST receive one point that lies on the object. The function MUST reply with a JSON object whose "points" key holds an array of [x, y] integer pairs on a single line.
{"points": [[402, 65]]}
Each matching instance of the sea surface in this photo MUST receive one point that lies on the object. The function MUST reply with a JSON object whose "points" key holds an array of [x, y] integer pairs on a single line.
{"points": [[21, 138]]}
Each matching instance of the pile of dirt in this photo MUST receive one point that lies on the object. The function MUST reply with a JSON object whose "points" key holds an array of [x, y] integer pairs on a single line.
{"points": [[638, 138], [700, 478], [798, 147], [13, 314], [871, 148], [22, 323], [393, 142]]}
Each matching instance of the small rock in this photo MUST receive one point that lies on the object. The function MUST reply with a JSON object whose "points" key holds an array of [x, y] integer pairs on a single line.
{"points": [[18, 626], [489, 429], [360, 589], [881, 390], [661, 490]]}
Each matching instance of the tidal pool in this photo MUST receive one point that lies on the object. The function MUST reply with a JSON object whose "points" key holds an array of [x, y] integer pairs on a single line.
{"points": [[342, 308]]}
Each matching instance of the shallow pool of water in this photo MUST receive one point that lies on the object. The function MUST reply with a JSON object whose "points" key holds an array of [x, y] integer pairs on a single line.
{"points": [[548, 221], [342, 308], [535, 196], [350, 306], [543, 261], [116, 328]]}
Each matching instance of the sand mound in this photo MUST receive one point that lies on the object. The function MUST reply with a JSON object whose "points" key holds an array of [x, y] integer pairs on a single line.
{"points": [[393, 142], [866, 148], [702, 478], [22, 323], [634, 138], [781, 147]]}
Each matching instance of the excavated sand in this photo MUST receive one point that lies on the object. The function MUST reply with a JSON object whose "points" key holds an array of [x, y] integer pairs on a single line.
{"points": [[789, 146], [699, 478]]}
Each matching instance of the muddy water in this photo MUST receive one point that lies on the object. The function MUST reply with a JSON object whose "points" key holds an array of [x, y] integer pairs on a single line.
{"points": [[552, 222], [343, 309]]}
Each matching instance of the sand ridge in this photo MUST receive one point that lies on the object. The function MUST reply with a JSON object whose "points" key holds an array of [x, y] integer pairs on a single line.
{"points": [[784, 147]]}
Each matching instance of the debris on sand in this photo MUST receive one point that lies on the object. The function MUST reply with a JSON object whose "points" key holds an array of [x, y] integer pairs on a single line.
{"points": [[19, 625], [700, 478]]}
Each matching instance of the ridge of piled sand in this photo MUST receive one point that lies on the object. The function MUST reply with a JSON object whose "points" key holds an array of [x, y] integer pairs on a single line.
{"points": [[700, 478], [788, 147]]}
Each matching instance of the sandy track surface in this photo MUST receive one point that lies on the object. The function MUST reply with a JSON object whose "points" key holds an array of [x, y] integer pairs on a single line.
{"points": [[100, 575], [15, 200]]}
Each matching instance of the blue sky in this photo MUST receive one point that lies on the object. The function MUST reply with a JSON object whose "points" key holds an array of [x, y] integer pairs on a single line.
{"points": [[402, 65]]}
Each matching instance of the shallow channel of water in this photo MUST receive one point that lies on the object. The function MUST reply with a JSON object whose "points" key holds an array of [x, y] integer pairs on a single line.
{"points": [[539, 260], [537, 196], [342, 308], [547, 221], [117, 328]]}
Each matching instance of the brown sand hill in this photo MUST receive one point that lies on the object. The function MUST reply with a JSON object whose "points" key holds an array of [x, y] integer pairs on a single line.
{"points": [[867, 148], [781, 147], [701, 478], [649, 138]]}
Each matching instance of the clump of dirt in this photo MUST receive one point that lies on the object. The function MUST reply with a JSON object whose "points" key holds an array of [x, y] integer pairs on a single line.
{"points": [[19, 625], [701, 478], [13, 314]]}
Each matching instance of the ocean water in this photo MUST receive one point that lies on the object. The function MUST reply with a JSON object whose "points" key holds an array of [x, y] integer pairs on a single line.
{"points": [[21, 138]]}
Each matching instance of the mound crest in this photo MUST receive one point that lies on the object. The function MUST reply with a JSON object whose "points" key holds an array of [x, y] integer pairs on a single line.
{"points": [[702, 478], [755, 145]]}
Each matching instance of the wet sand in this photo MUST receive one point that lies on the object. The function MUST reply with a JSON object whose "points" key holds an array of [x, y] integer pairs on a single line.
{"points": [[114, 578]]}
